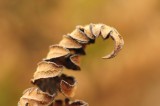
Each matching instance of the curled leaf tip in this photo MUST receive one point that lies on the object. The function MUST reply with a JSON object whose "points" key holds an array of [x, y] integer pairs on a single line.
{"points": [[118, 43]]}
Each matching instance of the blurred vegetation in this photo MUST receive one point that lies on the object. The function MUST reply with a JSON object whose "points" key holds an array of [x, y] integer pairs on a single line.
{"points": [[28, 27]]}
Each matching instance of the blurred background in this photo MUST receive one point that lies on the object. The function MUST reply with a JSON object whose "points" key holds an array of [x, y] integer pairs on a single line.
{"points": [[28, 27]]}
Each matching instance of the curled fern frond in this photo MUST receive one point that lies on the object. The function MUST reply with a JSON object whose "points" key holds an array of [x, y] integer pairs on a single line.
{"points": [[49, 79]]}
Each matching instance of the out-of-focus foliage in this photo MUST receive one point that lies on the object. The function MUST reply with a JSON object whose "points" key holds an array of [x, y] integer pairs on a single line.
{"points": [[28, 27]]}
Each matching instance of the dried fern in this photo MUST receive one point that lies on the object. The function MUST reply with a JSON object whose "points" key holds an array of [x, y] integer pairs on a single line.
{"points": [[49, 79]]}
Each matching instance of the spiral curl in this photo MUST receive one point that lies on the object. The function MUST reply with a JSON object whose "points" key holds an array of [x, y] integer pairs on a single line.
{"points": [[49, 79]]}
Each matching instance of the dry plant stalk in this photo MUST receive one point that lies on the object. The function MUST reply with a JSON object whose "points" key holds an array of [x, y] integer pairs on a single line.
{"points": [[49, 79]]}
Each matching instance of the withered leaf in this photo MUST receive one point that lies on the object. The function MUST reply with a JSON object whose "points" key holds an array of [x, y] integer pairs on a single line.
{"points": [[79, 36], [47, 70], [69, 43], [75, 59], [35, 97], [96, 29], [57, 51], [68, 85], [105, 31], [87, 31], [65, 61], [48, 85], [72, 45], [48, 77]]}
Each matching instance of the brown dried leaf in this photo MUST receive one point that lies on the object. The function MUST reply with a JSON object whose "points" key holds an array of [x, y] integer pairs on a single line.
{"points": [[105, 31], [69, 43], [96, 29], [87, 31], [68, 85], [79, 36], [65, 61], [35, 97], [46, 77], [48, 85], [75, 59], [57, 51], [46, 70]]}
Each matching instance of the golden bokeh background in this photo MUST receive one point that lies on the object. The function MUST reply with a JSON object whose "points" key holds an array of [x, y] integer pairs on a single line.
{"points": [[28, 27]]}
